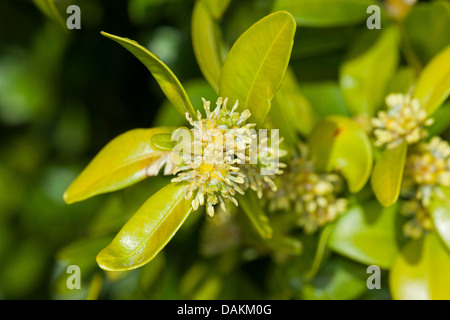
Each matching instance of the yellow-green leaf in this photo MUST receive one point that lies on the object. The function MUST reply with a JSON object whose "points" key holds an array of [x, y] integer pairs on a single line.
{"points": [[163, 141], [291, 110], [252, 208], [148, 231], [216, 7], [433, 85], [388, 173], [420, 271], [168, 82], [339, 144], [365, 74], [255, 66], [326, 13], [207, 43], [440, 212], [122, 162], [367, 234]]}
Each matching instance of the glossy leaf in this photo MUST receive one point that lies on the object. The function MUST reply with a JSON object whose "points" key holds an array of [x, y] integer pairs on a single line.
{"points": [[255, 66], [122, 162], [365, 74], [252, 208], [168, 82], [388, 173], [420, 271], [163, 141], [366, 234], [207, 43], [326, 13], [433, 85], [148, 231], [440, 212], [338, 143]]}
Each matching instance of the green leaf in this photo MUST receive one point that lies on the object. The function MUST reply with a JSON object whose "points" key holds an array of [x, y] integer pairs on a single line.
{"points": [[420, 271], [440, 212], [388, 173], [423, 20], [433, 85], [326, 13], [49, 8], [252, 208], [365, 74], [207, 43], [367, 234], [168, 82], [148, 231], [326, 97], [441, 121], [122, 162], [402, 81], [291, 111], [163, 141], [338, 143], [216, 7], [255, 66]]}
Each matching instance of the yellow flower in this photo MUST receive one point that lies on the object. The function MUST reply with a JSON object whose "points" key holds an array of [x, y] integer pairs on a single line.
{"points": [[403, 121]]}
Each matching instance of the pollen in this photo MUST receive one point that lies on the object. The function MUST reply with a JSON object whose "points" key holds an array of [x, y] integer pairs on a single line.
{"points": [[313, 196], [404, 120]]}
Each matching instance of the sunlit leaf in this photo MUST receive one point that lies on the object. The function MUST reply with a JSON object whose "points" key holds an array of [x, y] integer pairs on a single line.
{"points": [[433, 85], [168, 82], [420, 271], [326, 13], [148, 231], [365, 74], [255, 66], [338, 143], [163, 141], [251, 206], [122, 162], [440, 212], [366, 234], [207, 43], [388, 173]]}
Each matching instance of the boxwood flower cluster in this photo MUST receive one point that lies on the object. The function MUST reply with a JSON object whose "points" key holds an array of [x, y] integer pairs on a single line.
{"points": [[404, 120], [313, 196], [222, 162], [427, 166], [427, 170]]}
